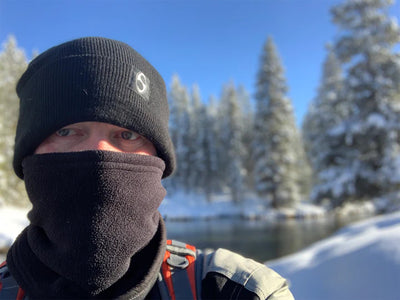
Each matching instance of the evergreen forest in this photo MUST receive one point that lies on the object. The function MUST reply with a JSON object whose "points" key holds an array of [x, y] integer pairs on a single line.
{"points": [[346, 150]]}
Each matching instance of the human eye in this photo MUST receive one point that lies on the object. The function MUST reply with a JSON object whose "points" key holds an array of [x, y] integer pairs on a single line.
{"points": [[65, 132], [129, 135]]}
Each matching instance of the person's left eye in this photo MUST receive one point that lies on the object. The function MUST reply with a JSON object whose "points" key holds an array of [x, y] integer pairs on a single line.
{"points": [[129, 135], [65, 132]]}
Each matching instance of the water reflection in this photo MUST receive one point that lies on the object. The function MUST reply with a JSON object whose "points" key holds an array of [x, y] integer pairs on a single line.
{"points": [[261, 240]]}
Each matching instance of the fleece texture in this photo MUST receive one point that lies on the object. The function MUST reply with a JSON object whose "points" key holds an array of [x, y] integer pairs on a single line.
{"points": [[93, 212]]}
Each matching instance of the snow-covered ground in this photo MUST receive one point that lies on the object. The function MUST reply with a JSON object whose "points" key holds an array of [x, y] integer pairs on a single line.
{"points": [[184, 206], [361, 261], [12, 221]]}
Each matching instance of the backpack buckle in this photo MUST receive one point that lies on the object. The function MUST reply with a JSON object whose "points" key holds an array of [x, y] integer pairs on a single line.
{"points": [[177, 261]]}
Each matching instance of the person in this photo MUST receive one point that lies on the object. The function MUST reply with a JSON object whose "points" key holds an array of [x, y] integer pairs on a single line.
{"points": [[92, 145]]}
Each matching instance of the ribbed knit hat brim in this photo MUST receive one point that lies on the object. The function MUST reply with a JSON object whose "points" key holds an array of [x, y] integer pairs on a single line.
{"points": [[92, 79]]}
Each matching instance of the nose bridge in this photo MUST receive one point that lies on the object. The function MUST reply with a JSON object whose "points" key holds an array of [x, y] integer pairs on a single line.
{"points": [[103, 144]]}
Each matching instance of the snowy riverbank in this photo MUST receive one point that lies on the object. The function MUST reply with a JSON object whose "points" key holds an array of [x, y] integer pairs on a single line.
{"points": [[361, 261], [12, 221], [181, 206]]}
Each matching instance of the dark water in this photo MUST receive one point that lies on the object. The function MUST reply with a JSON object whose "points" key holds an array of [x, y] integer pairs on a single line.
{"points": [[260, 240]]}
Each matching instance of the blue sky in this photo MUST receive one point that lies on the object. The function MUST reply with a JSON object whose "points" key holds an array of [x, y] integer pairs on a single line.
{"points": [[208, 42]]}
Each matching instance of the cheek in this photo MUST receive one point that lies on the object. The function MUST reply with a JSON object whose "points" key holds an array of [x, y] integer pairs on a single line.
{"points": [[44, 148], [152, 150], [147, 149], [48, 146]]}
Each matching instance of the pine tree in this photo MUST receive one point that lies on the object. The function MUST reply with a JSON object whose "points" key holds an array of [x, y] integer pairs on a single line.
{"points": [[231, 141], [366, 143], [12, 63], [304, 174], [179, 122], [209, 178], [276, 136], [196, 131], [326, 111], [247, 137]]}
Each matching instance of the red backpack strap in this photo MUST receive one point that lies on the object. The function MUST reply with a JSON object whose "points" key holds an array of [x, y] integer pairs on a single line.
{"points": [[9, 288], [178, 271]]}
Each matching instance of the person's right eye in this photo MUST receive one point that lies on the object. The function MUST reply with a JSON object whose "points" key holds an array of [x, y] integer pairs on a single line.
{"points": [[65, 132], [129, 135]]}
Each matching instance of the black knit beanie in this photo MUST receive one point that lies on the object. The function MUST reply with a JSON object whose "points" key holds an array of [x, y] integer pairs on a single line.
{"points": [[92, 79]]}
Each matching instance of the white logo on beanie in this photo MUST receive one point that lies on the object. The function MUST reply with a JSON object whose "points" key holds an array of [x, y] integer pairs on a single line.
{"points": [[140, 83]]}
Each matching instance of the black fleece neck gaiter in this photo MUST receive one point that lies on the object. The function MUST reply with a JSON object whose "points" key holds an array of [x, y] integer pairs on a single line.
{"points": [[92, 212]]}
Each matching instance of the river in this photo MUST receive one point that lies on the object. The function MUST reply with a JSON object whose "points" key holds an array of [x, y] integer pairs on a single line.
{"points": [[260, 240]]}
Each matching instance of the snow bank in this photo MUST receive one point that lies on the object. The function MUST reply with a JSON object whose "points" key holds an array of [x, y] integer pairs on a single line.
{"points": [[12, 221], [361, 261], [182, 206]]}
